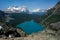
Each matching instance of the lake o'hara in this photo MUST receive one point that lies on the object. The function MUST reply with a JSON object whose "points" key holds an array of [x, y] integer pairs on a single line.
{"points": [[30, 27]]}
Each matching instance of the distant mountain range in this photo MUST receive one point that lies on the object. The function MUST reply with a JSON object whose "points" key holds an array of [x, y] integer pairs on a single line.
{"points": [[15, 15], [23, 9]]}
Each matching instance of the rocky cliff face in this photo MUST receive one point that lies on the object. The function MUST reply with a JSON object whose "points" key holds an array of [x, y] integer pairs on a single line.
{"points": [[57, 6], [54, 18], [53, 21]]}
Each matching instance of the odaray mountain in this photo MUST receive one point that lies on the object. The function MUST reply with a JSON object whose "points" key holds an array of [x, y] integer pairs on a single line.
{"points": [[23, 9]]}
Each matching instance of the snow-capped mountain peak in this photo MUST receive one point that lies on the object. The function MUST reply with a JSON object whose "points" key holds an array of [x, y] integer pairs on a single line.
{"points": [[17, 9], [24, 9]]}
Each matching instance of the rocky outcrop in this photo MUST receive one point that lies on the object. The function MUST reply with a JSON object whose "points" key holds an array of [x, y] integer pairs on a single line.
{"points": [[8, 31], [55, 26], [44, 35]]}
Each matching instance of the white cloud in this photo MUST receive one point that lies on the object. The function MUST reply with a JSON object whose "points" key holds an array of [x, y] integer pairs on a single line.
{"points": [[36, 10]]}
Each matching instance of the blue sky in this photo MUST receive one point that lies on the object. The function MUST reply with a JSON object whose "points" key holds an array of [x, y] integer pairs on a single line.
{"points": [[31, 4]]}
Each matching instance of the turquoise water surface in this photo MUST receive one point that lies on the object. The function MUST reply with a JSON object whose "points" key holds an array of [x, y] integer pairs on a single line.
{"points": [[30, 27]]}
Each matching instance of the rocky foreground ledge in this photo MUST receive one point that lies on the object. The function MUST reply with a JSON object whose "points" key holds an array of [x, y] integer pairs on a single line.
{"points": [[44, 35]]}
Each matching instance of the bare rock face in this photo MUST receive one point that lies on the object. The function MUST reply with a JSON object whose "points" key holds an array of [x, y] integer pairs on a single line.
{"points": [[55, 26]]}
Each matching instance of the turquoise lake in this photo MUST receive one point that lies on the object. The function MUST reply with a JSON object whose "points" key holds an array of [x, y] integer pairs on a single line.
{"points": [[30, 27]]}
